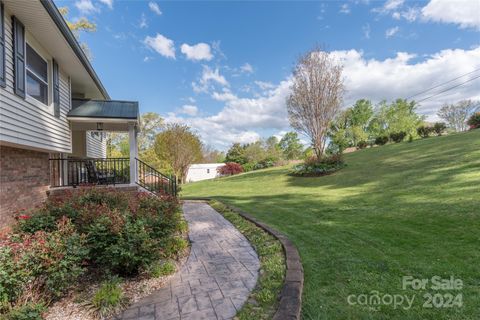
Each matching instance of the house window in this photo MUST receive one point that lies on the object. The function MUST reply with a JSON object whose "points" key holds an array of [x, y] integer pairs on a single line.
{"points": [[208, 170], [37, 76]]}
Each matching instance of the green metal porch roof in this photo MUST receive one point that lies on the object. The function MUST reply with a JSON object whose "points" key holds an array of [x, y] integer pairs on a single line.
{"points": [[108, 109]]}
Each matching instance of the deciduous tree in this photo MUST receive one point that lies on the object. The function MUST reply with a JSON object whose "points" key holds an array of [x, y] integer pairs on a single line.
{"points": [[456, 115], [179, 147], [82, 24], [291, 146], [236, 153], [316, 96], [151, 123]]}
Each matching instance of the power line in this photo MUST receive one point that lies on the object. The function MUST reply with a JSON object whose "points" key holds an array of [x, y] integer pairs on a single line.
{"points": [[448, 89], [441, 84]]}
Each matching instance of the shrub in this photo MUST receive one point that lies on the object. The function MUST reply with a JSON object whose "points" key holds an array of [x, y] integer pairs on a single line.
{"points": [[29, 311], [247, 167], [108, 298], [439, 128], [43, 263], [398, 136], [474, 121], [264, 164], [424, 131], [381, 140], [109, 230], [31, 223], [315, 167], [362, 144], [160, 269], [171, 246], [230, 168], [121, 249]]}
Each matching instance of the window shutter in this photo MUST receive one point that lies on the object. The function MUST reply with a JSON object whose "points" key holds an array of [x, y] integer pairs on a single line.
{"points": [[56, 90], [2, 46], [19, 57]]}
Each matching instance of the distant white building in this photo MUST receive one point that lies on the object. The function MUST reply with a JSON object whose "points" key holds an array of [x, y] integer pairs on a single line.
{"points": [[203, 171]]}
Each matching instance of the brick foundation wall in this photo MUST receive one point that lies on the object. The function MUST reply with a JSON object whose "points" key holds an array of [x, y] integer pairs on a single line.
{"points": [[24, 180]]}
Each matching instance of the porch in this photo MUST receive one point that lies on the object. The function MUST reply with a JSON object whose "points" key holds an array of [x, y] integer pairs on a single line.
{"points": [[81, 169]]}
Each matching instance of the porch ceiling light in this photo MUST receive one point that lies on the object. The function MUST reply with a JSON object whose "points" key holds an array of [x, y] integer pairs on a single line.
{"points": [[99, 126]]}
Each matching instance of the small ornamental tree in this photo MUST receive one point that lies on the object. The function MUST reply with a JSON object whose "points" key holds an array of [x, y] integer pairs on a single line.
{"points": [[474, 121], [316, 96], [230, 168]]}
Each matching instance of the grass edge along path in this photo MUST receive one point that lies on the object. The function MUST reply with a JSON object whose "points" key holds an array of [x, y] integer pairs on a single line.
{"points": [[264, 299]]}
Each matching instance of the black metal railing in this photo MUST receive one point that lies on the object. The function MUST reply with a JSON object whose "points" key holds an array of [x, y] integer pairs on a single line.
{"points": [[155, 181], [91, 171]]}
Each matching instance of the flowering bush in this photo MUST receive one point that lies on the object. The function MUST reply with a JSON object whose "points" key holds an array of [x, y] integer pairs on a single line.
{"points": [[314, 167], [230, 168], [42, 264], [105, 230]]}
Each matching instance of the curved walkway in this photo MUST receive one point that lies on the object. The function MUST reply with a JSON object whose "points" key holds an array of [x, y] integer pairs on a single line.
{"points": [[215, 281]]}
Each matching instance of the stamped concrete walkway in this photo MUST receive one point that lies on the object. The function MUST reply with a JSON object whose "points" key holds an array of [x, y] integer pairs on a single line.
{"points": [[215, 281]]}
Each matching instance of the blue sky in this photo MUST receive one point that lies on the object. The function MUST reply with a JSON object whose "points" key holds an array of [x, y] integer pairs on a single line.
{"points": [[223, 67]]}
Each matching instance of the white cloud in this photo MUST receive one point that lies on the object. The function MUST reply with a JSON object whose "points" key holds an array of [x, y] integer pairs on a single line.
{"points": [[391, 32], [108, 3], [209, 76], [411, 14], [143, 21], [155, 8], [245, 119], [388, 6], [399, 77], [344, 8], [241, 118], [366, 31], [226, 95], [86, 6], [246, 68], [264, 85], [189, 109], [465, 13], [161, 44], [197, 52], [392, 4]]}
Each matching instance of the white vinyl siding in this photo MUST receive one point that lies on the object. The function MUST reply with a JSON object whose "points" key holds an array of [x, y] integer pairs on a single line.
{"points": [[27, 122], [96, 146]]}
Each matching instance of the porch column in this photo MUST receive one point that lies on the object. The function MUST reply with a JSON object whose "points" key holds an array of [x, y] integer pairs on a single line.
{"points": [[132, 140]]}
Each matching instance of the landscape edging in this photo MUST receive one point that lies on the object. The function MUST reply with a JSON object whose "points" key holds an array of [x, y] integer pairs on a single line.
{"points": [[290, 305]]}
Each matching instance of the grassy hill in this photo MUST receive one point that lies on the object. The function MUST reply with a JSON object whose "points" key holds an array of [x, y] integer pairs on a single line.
{"points": [[397, 210]]}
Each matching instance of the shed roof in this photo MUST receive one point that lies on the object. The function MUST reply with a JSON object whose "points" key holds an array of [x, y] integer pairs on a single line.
{"points": [[108, 109]]}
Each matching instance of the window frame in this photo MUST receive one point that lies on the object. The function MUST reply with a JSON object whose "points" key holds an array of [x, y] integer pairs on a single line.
{"points": [[35, 75]]}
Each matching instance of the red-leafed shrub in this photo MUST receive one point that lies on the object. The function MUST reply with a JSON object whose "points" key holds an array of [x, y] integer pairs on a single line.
{"points": [[230, 168], [111, 232], [474, 121]]}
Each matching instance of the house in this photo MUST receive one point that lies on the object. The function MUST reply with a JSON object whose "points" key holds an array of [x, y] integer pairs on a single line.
{"points": [[54, 111], [203, 171]]}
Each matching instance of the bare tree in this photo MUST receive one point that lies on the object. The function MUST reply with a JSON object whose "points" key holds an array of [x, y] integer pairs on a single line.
{"points": [[316, 96], [456, 115]]}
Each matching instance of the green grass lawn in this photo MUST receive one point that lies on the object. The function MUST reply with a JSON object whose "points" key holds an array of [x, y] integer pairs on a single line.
{"points": [[397, 210]]}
